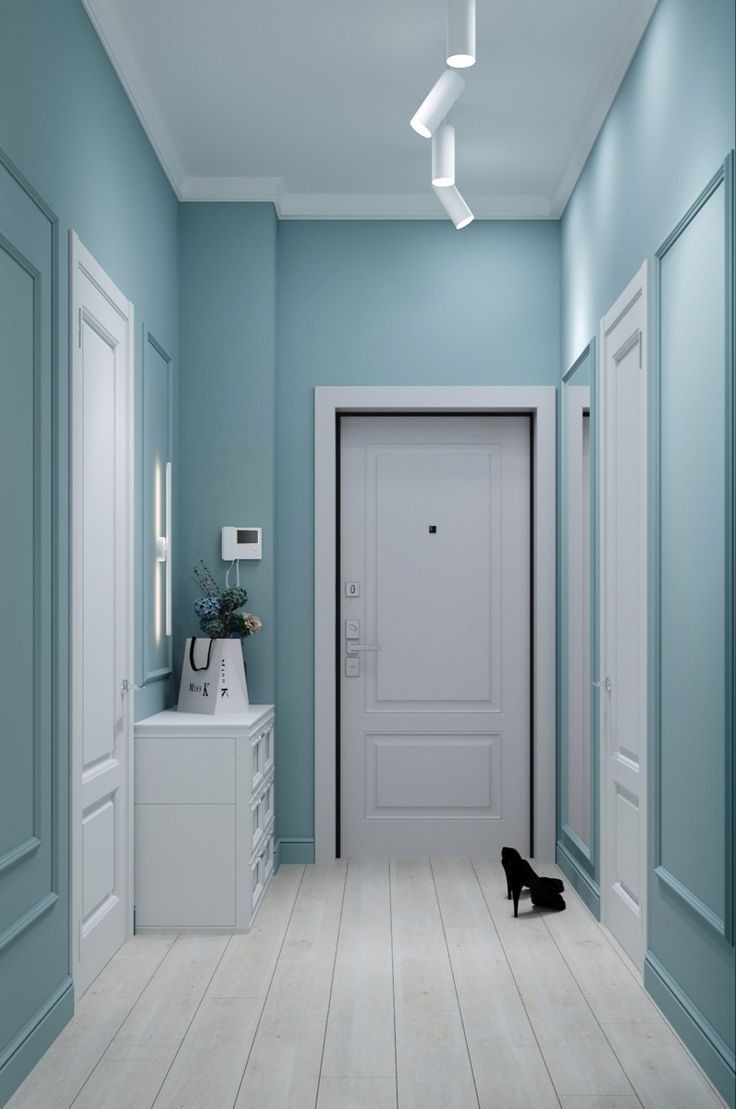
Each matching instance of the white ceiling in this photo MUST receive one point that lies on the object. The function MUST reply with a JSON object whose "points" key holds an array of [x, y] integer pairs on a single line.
{"points": [[307, 102]]}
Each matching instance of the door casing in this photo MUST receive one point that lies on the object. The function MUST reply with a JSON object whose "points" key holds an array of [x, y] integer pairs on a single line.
{"points": [[635, 292], [541, 403], [80, 258]]}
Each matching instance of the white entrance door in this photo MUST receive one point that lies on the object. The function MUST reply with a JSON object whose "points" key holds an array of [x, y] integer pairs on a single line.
{"points": [[101, 616], [434, 635], [623, 690]]}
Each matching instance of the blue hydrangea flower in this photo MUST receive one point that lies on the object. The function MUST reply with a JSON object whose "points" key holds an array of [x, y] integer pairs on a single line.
{"points": [[207, 607]]}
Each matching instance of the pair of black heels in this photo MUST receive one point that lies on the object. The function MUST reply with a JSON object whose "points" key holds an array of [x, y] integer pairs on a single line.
{"points": [[546, 892]]}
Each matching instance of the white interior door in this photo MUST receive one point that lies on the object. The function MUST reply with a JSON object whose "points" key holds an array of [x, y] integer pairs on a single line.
{"points": [[101, 615], [434, 653], [623, 692]]}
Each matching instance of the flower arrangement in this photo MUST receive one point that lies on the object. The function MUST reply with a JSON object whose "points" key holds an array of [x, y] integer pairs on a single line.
{"points": [[217, 608]]}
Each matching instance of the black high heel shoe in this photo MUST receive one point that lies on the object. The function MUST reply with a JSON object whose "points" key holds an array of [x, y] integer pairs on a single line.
{"points": [[545, 891]]}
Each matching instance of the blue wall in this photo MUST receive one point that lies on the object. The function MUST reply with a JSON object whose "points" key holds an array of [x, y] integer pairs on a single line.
{"points": [[668, 131], [670, 126], [384, 303], [69, 127], [226, 416]]}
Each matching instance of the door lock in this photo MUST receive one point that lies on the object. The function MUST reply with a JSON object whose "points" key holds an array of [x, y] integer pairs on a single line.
{"points": [[605, 684]]}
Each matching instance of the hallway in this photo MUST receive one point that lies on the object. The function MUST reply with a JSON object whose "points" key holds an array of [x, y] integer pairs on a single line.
{"points": [[365, 983]]}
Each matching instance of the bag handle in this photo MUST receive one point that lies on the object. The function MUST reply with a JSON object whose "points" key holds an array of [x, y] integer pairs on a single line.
{"points": [[191, 655]]}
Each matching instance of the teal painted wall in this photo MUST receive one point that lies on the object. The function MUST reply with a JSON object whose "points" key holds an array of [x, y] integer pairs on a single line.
{"points": [[384, 303], [670, 127], [227, 378], [691, 953], [68, 126], [67, 123]]}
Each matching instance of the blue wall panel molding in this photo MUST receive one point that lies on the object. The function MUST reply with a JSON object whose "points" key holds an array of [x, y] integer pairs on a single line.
{"points": [[33, 789], [157, 413], [690, 964], [714, 377], [704, 1042], [32, 1040], [579, 860]]}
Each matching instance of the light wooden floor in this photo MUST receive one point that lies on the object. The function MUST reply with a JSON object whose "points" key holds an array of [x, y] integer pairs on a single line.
{"points": [[365, 984]]}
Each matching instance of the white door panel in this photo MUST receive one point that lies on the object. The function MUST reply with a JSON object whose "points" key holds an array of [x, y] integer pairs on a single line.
{"points": [[623, 369], [435, 526], [101, 617]]}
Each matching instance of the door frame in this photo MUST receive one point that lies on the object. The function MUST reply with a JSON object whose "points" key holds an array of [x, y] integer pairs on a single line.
{"points": [[539, 402], [80, 259], [637, 288]]}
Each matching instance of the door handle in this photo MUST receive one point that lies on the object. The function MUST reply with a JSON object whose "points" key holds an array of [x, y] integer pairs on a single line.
{"points": [[605, 684], [353, 648]]}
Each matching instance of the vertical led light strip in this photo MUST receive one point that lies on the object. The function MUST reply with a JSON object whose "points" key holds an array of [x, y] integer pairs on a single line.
{"points": [[168, 550]]}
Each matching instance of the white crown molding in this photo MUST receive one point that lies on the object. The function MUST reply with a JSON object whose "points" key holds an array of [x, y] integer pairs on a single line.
{"points": [[600, 105], [125, 64], [226, 189], [353, 205], [404, 206]]}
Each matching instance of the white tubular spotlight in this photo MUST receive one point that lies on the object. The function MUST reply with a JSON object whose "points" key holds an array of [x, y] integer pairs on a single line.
{"points": [[443, 156], [460, 33], [437, 103], [453, 203]]}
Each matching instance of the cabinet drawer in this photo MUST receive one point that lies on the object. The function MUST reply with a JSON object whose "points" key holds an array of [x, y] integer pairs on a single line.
{"points": [[261, 810], [261, 756], [261, 869], [185, 770], [185, 866]]}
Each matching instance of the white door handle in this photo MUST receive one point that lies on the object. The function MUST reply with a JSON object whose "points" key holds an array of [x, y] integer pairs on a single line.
{"points": [[353, 648], [605, 684]]}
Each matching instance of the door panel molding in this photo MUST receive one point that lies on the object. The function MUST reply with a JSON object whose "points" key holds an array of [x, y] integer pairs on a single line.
{"points": [[720, 922], [107, 768], [332, 401], [623, 654]]}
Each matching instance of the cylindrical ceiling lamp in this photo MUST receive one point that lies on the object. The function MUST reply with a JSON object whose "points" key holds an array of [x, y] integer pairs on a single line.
{"points": [[460, 33], [437, 103], [443, 156], [455, 206]]}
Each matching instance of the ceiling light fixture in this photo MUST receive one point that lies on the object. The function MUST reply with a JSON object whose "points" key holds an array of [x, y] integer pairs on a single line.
{"points": [[443, 156], [452, 201], [437, 103], [461, 33]]}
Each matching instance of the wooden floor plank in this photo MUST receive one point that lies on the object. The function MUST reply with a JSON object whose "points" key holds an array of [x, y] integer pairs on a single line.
{"points": [[507, 1063], [359, 1039], [284, 1064], [433, 1063], [363, 968]]}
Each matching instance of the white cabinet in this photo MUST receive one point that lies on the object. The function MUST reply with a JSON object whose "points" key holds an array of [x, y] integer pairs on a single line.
{"points": [[204, 819]]}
